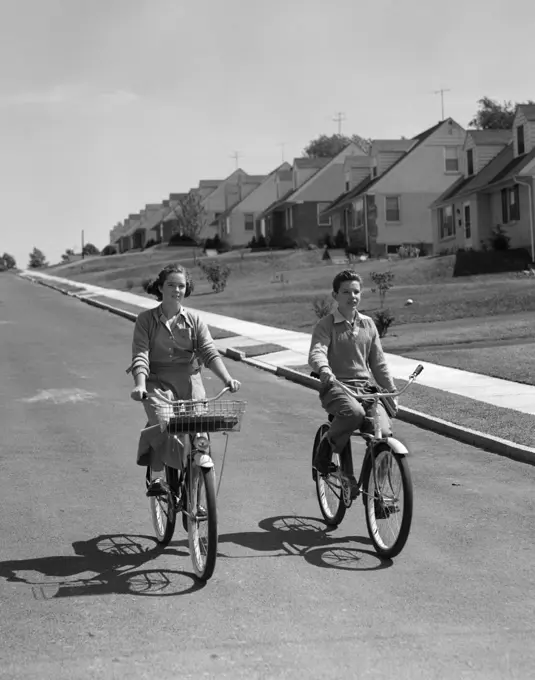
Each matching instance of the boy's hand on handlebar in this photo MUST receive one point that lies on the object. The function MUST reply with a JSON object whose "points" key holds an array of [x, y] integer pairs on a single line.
{"points": [[326, 376], [138, 393], [233, 385]]}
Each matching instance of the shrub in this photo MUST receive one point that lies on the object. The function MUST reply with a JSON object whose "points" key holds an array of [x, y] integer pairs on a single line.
{"points": [[224, 246], [340, 240], [383, 283], [145, 283], [322, 305], [217, 273], [109, 250], [383, 320], [500, 239], [252, 243], [326, 241], [151, 242], [90, 249], [282, 241], [178, 239]]}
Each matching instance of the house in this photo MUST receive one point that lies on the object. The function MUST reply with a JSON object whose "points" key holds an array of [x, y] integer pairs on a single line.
{"points": [[497, 187], [117, 231], [241, 221], [390, 205], [140, 232], [124, 241], [230, 192], [169, 223], [316, 182]]}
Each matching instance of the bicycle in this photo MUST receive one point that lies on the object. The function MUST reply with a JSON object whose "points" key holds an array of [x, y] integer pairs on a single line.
{"points": [[383, 499], [184, 487]]}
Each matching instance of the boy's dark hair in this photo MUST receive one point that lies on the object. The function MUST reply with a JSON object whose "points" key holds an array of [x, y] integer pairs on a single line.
{"points": [[346, 275], [154, 287]]}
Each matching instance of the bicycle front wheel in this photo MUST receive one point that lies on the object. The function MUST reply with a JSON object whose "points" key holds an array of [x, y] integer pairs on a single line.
{"points": [[202, 521], [388, 501], [329, 487], [163, 511]]}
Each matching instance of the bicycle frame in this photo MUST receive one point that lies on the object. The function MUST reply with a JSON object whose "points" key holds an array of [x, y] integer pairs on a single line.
{"points": [[372, 440]]}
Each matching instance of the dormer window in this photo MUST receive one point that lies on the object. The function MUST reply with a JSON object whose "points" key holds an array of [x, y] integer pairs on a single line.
{"points": [[470, 161], [520, 140]]}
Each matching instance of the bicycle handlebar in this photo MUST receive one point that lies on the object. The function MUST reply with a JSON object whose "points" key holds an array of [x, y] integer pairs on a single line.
{"points": [[379, 395], [165, 399]]}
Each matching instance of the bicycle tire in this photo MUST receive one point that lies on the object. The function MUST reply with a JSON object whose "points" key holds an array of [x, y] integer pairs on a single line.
{"points": [[163, 512], [203, 557], [381, 506], [329, 486]]}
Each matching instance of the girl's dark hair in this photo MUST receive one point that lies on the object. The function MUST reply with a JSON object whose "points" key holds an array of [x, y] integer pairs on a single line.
{"points": [[346, 275], [154, 287]]}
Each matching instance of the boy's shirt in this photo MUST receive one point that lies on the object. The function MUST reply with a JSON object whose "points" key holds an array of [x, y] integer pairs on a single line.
{"points": [[351, 351]]}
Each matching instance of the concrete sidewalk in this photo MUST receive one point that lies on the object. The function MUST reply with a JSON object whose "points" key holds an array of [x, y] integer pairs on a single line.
{"points": [[494, 391]]}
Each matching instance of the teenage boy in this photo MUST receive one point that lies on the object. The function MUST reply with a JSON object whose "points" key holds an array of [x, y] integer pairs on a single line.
{"points": [[346, 346]]}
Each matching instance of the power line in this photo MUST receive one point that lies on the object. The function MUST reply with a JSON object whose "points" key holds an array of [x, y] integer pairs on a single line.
{"points": [[441, 93], [339, 117]]}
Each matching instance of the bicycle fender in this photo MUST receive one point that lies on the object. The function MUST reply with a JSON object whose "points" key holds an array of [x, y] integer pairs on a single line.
{"points": [[397, 446]]}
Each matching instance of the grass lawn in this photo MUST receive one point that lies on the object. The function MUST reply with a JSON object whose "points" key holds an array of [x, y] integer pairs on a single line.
{"points": [[259, 350], [510, 362], [499, 422]]}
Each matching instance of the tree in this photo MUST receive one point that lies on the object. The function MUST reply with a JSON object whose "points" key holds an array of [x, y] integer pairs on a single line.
{"points": [[67, 255], [9, 261], [492, 115], [37, 259], [90, 249], [191, 215], [328, 147]]}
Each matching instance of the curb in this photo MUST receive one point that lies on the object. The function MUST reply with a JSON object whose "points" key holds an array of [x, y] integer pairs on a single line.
{"points": [[487, 442]]}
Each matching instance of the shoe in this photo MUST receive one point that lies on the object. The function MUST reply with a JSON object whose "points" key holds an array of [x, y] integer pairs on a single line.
{"points": [[157, 487], [322, 458], [353, 487]]}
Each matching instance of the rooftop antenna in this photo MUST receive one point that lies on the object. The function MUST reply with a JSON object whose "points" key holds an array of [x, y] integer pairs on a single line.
{"points": [[282, 145], [236, 156], [339, 117], [441, 93]]}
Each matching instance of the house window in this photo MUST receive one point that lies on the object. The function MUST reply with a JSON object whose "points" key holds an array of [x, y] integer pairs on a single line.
{"points": [[510, 204], [347, 185], [249, 222], [217, 216], [289, 218], [451, 159], [520, 140], [470, 161], [358, 219], [467, 221], [323, 221], [392, 250], [374, 171], [392, 208], [445, 222]]}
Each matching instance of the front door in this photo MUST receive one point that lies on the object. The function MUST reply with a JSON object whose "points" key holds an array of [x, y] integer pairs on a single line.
{"points": [[467, 219]]}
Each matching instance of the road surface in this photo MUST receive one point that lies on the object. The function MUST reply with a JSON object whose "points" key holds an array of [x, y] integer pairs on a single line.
{"points": [[86, 594]]}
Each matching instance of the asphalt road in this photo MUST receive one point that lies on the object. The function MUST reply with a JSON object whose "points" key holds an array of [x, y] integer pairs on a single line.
{"points": [[85, 593]]}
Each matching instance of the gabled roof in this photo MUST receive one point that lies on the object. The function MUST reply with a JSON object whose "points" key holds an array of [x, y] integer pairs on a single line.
{"points": [[347, 197], [365, 185], [490, 137], [207, 183], [279, 203], [311, 162], [157, 217], [501, 168], [392, 144], [528, 110], [261, 179]]}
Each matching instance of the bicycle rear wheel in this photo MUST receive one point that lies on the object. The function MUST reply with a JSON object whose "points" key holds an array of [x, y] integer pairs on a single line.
{"points": [[388, 501], [202, 521], [163, 511], [329, 487]]}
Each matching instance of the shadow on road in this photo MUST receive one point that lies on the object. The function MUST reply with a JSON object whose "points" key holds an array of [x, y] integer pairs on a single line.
{"points": [[106, 564], [307, 537]]}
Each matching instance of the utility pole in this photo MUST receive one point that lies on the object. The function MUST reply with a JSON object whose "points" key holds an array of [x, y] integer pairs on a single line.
{"points": [[441, 93], [236, 156], [83, 246], [338, 119]]}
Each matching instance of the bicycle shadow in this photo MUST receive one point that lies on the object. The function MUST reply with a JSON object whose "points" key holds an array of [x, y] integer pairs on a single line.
{"points": [[307, 537], [105, 565]]}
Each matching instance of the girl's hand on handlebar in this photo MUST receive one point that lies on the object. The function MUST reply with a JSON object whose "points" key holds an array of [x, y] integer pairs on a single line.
{"points": [[138, 393], [326, 376], [233, 385]]}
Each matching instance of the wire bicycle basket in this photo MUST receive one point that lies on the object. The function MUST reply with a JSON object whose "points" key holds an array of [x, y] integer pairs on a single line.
{"points": [[200, 416]]}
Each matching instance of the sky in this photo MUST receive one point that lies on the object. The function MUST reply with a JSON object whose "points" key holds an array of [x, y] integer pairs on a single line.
{"points": [[107, 105]]}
